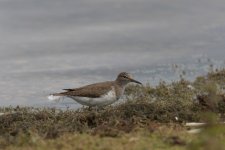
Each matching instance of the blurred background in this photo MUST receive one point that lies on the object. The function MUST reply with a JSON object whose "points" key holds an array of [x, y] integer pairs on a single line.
{"points": [[48, 45]]}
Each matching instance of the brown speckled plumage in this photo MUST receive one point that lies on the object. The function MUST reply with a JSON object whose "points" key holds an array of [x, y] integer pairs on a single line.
{"points": [[92, 90], [99, 89]]}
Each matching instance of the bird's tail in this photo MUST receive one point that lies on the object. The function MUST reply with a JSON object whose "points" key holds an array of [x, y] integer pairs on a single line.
{"points": [[55, 97]]}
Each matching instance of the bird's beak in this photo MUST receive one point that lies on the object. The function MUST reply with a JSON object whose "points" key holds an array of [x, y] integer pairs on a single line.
{"points": [[135, 81]]}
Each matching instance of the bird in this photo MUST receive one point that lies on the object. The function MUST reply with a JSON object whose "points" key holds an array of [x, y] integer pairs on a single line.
{"points": [[98, 94]]}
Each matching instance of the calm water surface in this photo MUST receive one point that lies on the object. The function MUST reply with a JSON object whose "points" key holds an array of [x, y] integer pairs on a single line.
{"points": [[48, 45]]}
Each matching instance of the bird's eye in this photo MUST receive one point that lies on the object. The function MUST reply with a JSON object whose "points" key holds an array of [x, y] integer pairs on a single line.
{"points": [[124, 76]]}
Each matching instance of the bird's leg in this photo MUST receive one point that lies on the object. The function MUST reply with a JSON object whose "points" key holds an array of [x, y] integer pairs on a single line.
{"points": [[89, 108], [96, 109]]}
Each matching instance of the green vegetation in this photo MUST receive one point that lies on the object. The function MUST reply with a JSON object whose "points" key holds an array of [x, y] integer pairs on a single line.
{"points": [[150, 118]]}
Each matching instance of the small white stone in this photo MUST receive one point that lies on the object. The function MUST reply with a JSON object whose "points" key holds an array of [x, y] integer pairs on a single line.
{"points": [[195, 124], [191, 87]]}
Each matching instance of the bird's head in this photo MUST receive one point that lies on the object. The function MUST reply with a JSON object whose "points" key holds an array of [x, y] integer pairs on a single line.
{"points": [[125, 78]]}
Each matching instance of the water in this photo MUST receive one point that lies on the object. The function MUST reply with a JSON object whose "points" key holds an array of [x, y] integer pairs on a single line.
{"points": [[48, 45]]}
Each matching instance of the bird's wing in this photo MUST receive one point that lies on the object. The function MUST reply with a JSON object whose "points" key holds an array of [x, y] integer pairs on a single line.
{"points": [[93, 90]]}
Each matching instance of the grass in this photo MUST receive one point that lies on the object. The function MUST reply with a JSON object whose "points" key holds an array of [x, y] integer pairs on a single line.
{"points": [[139, 139], [150, 118]]}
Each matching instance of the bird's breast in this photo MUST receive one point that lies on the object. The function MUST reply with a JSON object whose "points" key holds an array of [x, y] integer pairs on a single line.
{"points": [[106, 99]]}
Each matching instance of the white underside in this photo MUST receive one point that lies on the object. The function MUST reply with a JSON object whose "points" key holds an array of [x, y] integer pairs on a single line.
{"points": [[54, 98], [104, 100]]}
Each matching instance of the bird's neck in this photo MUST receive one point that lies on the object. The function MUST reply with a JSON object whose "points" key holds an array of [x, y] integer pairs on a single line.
{"points": [[119, 88], [121, 83]]}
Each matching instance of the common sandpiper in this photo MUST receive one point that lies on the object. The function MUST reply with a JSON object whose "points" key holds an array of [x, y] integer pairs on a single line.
{"points": [[98, 94]]}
